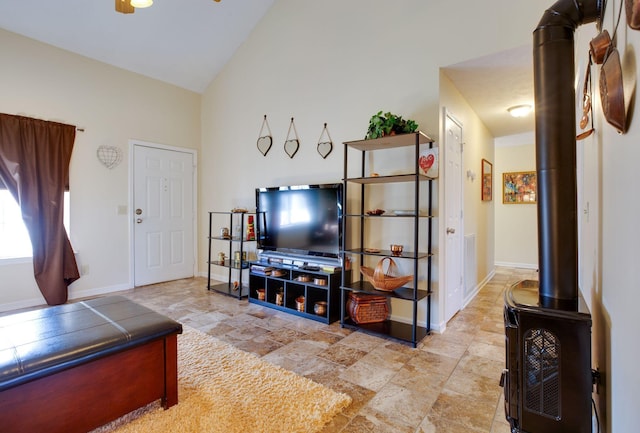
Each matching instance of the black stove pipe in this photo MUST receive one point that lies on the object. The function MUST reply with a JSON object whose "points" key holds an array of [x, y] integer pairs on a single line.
{"points": [[554, 74]]}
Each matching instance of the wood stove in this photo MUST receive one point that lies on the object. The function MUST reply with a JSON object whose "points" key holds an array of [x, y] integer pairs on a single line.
{"points": [[547, 380]]}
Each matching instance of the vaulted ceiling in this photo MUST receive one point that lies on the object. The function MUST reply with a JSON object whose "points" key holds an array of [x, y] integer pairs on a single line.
{"points": [[182, 42], [188, 42]]}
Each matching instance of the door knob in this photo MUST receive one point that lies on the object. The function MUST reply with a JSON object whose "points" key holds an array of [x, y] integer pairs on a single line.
{"points": [[139, 220], [450, 230], [138, 211]]}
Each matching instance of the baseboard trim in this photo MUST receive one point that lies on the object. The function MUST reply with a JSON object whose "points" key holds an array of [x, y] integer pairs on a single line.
{"points": [[73, 294], [517, 265]]}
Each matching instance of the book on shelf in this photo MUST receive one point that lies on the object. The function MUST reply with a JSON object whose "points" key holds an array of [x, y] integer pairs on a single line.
{"points": [[264, 270], [330, 269]]}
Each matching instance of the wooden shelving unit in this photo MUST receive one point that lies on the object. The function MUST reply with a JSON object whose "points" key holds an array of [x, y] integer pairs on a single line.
{"points": [[356, 216]]}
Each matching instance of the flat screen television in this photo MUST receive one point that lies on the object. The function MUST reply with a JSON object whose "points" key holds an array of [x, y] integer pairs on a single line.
{"points": [[301, 220]]}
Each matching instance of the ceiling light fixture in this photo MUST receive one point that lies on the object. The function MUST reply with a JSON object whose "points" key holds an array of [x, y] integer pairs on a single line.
{"points": [[129, 6], [520, 110], [141, 3]]}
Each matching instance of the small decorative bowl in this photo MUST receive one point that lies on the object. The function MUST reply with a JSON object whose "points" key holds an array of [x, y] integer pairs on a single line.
{"points": [[320, 281], [304, 278], [396, 250], [320, 308], [375, 212]]}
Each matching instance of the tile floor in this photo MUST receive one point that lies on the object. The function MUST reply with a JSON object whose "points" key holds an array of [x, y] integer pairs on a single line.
{"points": [[448, 384]]}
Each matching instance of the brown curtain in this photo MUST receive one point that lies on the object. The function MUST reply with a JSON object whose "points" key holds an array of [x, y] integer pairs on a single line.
{"points": [[34, 167]]}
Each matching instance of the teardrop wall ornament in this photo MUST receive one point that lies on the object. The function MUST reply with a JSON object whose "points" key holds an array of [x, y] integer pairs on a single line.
{"points": [[325, 147], [264, 141], [109, 156], [291, 145]]}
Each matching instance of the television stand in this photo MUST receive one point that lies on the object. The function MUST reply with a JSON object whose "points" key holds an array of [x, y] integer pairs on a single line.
{"points": [[297, 290]]}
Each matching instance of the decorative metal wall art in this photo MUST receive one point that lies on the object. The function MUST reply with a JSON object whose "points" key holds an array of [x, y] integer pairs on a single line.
{"points": [[109, 156], [325, 147], [291, 145], [264, 141]]}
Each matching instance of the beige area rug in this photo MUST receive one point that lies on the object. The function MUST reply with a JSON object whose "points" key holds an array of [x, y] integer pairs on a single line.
{"points": [[223, 389]]}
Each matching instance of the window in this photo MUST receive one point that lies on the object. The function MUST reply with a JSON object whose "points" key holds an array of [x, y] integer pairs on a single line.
{"points": [[14, 238]]}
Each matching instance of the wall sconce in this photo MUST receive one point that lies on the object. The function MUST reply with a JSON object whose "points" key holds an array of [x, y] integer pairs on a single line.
{"points": [[520, 110], [471, 175]]}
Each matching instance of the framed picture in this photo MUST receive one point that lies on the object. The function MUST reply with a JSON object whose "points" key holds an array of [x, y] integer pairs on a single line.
{"points": [[519, 187], [487, 180]]}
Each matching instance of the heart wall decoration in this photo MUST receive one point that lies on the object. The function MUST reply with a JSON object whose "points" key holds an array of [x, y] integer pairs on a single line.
{"points": [[291, 145], [109, 156], [324, 148], [428, 163], [264, 141]]}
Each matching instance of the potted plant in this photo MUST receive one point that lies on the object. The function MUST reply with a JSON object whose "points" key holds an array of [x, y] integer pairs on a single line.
{"points": [[389, 124]]}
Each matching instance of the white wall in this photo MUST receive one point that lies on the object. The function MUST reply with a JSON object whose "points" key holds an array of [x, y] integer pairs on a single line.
{"points": [[516, 235], [113, 106]]}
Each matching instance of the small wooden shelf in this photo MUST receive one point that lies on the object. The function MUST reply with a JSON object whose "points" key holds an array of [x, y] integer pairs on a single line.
{"points": [[391, 141], [387, 253], [224, 288], [396, 178], [392, 328], [406, 293]]}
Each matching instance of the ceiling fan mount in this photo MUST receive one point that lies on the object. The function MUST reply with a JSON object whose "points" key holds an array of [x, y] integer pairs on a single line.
{"points": [[126, 7]]}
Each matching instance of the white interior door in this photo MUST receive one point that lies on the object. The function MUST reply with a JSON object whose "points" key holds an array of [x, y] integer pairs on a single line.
{"points": [[163, 214], [453, 218]]}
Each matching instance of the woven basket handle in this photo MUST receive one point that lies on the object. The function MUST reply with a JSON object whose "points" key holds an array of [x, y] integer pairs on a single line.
{"points": [[379, 273]]}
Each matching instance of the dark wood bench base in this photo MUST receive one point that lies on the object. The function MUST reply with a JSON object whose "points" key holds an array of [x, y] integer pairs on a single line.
{"points": [[91, 394]]}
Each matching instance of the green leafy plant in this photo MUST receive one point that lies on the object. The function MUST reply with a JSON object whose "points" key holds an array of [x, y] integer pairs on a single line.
{"points": [[389, 124]]}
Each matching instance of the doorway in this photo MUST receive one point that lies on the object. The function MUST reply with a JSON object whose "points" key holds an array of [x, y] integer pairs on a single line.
{"points": [[454, 278], [162, 200]]}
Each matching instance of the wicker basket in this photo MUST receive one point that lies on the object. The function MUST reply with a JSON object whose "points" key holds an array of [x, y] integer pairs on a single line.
{"points": [[386, 281], [365, 308]]}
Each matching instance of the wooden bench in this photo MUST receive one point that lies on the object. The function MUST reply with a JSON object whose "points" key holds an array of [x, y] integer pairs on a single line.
{"points": [[74, 367]]}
